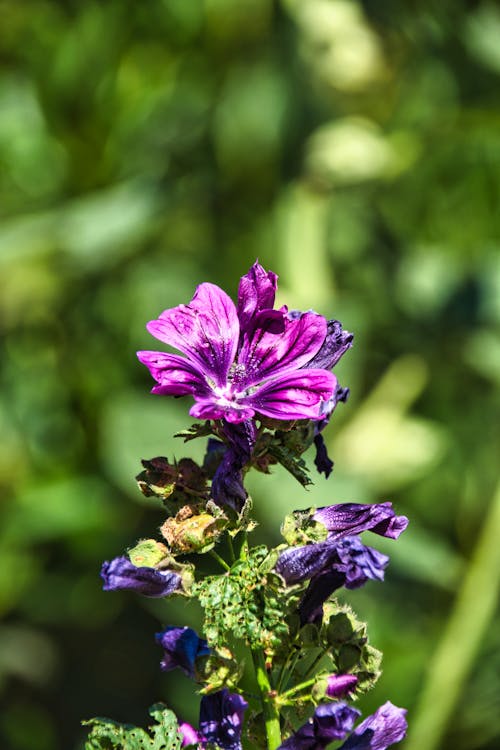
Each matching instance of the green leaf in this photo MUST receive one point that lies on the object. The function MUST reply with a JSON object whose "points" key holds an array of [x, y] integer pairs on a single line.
{"points": [[250, 602], [110, 735]]}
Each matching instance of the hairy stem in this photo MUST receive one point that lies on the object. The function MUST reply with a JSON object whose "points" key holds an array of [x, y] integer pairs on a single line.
{"points": [[269, 707]]}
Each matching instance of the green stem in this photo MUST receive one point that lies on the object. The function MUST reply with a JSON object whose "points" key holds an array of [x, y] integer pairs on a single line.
{"points": [[219, 559], [298, 688], [269, 707], [231, 547]]}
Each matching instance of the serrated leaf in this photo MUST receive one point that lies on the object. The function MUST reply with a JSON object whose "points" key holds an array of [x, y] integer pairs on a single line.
{"points": [[295, 465], [110, 735], [250, 602]]}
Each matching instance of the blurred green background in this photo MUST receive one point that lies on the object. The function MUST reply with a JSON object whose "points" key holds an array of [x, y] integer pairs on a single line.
{"points": [[354, 148]]}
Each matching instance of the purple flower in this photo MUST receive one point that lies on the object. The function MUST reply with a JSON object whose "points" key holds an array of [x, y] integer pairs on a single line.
{"points": [[332, 722], [330, 565], [380, 730], [329, 722], [340, 684], [353, 518], [239, 361], [182, 648], [221, 719], [120, 574]]}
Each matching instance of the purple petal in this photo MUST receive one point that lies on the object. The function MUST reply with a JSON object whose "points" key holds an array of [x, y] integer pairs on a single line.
{"points": [[380, 730], [221, 719], [256, 292], [120, 573], [333, 721], [189, 734], [353, 518], [328, 407], [182, 646], [329, 722], [175, 375], [280, 346], [340, 684], [360, 563], [336, 343], [293, 395], [215, 408], [296, 564], [206, 331]]}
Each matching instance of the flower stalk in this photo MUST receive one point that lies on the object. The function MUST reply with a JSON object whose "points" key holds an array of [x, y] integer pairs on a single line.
{"points": [[269, 705]]}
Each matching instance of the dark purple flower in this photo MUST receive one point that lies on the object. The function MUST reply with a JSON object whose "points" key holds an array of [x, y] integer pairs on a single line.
{"points": [[329, 565], [380, 730], [227, 484], [352, 518], [120, 573], [340, 684], [189, 734], [182, 648], [221, 719], [330, 721], [241, 361]]}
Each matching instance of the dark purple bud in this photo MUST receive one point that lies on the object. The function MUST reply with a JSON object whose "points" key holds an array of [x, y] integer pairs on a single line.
{"points": [[182, 648], [353, 518], [339, 685], [329, 722], [336, 343], [322, 461], [380, 730], [120, 574], [189, 734], [221, 719]]}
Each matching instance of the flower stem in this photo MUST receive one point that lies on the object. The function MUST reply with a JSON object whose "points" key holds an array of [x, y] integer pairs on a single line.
{"points": [[298, 688], [219, 559], [269, 707]]}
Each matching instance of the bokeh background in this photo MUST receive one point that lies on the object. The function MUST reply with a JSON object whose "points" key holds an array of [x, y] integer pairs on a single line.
{"points": [[354, 148]]}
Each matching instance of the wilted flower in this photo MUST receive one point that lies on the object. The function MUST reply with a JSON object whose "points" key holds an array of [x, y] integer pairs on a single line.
{"points": [[221, 719], [120, 573], [239, 361], [332, 722], [329, 565], [352, 518], [380, 730], [182, 648]]}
